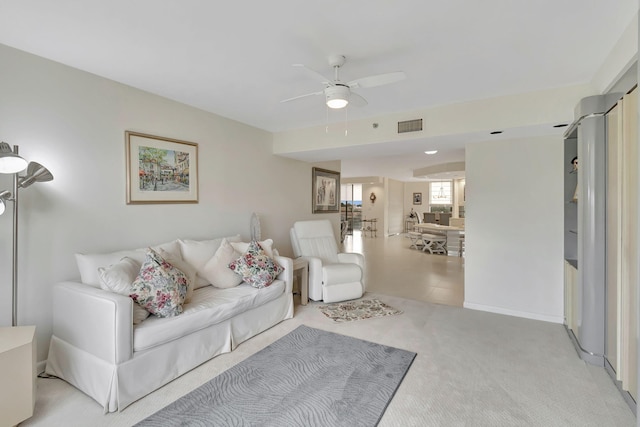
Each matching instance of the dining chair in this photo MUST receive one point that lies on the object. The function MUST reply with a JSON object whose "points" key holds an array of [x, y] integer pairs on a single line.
{"points": [[429, 217]]}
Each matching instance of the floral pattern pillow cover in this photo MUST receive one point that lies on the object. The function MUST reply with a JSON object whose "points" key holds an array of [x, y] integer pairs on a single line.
{"points": [[255, 267], [160, 287]]}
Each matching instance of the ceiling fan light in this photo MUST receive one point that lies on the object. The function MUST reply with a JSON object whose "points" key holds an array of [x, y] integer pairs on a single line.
{"points": [[337, 96], [337, 103]]}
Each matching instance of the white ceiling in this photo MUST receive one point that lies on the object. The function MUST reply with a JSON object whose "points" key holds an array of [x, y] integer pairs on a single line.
{"points": [[234, 58]]}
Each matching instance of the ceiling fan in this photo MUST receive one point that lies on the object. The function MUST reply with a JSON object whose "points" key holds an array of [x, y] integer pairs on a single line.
{"points": [[338, 93]]}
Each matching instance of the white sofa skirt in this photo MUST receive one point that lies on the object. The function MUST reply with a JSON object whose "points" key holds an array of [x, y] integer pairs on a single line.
{"points": [[116, 385]]}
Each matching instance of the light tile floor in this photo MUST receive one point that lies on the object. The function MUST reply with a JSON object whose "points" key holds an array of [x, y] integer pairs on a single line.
{"points": [[392, 268]]}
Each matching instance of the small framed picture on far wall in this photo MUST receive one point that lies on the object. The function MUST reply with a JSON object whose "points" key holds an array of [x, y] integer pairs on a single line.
{"points": [[417, 198]]}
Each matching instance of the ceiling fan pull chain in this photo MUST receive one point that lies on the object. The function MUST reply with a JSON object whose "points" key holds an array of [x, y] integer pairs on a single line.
{"points": [[326, 126], [346, 121]]}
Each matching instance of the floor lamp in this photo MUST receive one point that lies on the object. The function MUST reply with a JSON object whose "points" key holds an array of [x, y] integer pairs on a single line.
{"points": [[12, 163]]}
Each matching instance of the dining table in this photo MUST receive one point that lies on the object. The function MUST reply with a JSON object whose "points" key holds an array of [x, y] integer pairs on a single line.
{"points": [[452, 234]]}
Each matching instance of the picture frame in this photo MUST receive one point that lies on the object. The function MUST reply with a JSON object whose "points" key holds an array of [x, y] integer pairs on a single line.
{"points": [[325, 190], [417, 198], [160, 170]]}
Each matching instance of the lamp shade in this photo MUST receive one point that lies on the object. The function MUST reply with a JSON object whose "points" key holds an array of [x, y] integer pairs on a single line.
{"points": [[35, 173], [4, 195], [10, 162], [337, 96]]}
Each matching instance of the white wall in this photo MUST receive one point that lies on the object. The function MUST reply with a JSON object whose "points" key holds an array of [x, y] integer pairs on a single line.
{"points": [[394, 214], [514, 228], [74, 122], [375, 209], [416, 187]]}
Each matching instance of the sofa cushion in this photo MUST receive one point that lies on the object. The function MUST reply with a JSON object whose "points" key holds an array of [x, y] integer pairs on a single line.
{"points": [[160, 287], [198, 252], [217, 271], [88, 264], [256, 267], [176, 260], [242, 247], [118, 278], [208, 306]]}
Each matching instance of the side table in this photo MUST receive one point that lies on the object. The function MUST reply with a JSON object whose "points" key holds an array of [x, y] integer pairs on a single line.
{"points": [[18, 371], [303, 265]]}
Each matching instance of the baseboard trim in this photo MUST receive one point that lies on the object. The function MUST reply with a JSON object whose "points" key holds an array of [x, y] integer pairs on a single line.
{"points": [[515, 313]]}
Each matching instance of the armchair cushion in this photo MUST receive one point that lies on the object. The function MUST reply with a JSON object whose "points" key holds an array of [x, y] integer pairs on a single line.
{"points": [[341, 273]]}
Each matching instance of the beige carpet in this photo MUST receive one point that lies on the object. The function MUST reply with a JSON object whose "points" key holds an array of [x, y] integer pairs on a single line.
{"points": [[473, 369]]}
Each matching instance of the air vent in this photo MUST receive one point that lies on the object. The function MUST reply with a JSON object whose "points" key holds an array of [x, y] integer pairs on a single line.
{"points": [[410, 126]]}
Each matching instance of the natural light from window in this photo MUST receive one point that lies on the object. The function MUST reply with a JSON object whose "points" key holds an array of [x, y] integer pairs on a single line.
{"points": [[440, 192]]}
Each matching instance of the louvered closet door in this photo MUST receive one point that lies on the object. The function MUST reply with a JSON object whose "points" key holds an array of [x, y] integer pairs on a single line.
{"points": [[629, 254]]}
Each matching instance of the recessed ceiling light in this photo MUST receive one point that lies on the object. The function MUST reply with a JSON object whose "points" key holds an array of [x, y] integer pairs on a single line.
{"points": [[430, 152], [561, 125], [496, 132]]}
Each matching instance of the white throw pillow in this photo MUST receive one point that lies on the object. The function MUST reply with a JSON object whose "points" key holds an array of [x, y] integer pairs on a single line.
{"points": [[176, 260], [198, 252], [118, 278], [217, 272], [242, 247], [88, 265]]}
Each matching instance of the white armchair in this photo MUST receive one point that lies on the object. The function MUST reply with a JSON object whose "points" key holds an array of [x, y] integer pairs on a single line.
{"points": [[333, 276]]}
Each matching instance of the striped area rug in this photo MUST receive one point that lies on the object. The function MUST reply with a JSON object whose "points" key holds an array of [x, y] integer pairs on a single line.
{"points": [[309, 377]]}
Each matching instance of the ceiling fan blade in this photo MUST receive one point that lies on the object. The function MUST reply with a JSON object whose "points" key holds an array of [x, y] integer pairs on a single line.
{"points": [[302, 96], [377, 80], [356, 100], [316, 75]]}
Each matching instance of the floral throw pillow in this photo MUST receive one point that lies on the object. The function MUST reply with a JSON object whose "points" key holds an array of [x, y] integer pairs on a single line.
{"points": [[255, 267], [160, 287]]}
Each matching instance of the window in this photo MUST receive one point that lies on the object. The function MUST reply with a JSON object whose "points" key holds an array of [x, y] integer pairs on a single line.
{"points": [[351, 205], [440, 192]]}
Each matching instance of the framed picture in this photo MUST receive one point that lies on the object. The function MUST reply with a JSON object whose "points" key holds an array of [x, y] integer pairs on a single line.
{"points": [[326, 191], [160, 170], [417, 198]]}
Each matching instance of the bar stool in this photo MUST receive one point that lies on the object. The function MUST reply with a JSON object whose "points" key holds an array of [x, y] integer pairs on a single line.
{"points": [[416, 239], [434, 243]]}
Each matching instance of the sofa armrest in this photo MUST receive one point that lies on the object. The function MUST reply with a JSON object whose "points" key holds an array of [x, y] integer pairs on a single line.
{"points": [[287, 273], [93, 320]]}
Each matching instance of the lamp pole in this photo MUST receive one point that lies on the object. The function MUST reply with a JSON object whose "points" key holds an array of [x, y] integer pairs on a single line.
{"points": [[14, 258], [12, 163]]}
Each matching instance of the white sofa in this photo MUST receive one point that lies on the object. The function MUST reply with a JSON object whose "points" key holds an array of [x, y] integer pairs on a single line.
{"points": [[96, 347]]}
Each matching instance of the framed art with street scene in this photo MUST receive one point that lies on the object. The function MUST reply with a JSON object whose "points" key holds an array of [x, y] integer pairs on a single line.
{"points": [[326, 191], [160, 170]]}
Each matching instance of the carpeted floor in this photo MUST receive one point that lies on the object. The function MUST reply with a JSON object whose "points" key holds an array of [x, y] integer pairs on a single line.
{"points": [[472, 369], [309, 377]]}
